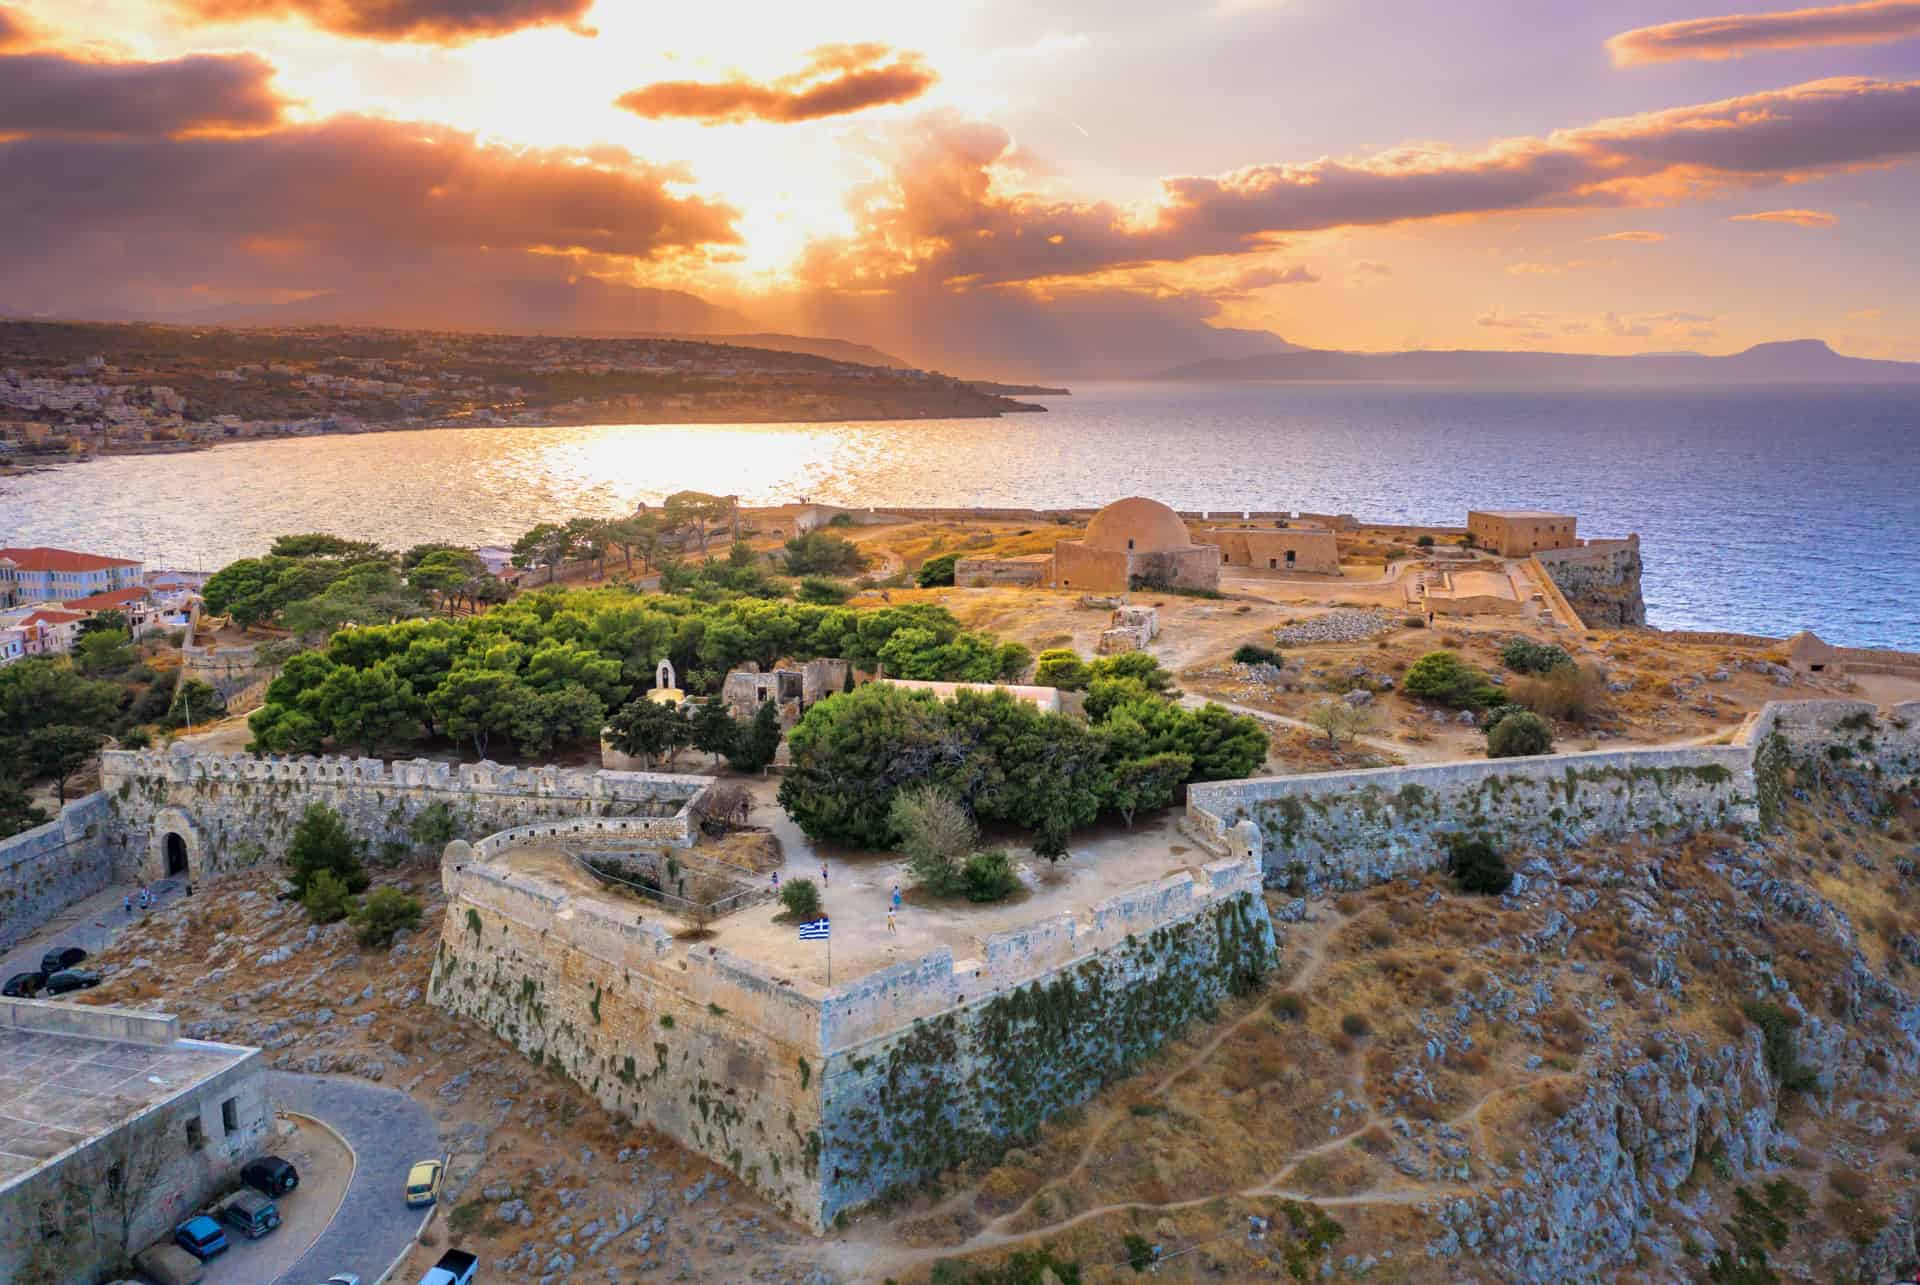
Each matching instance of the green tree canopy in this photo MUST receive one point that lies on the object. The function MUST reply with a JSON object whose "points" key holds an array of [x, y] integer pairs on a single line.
{"points": [[320, 843]]}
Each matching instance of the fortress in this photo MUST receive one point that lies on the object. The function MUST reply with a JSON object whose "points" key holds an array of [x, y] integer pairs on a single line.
{"points": [[826, 1098]]}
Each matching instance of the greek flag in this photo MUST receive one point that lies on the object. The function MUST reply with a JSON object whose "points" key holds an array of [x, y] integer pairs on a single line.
{"points": [[816, 930]]}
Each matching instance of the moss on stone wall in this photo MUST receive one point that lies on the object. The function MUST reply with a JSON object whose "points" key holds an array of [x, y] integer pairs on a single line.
{"points": [[972, 1081]]}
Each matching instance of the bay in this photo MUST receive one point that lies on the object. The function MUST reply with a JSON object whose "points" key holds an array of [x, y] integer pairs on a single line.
{"points": [[1760, 509]]}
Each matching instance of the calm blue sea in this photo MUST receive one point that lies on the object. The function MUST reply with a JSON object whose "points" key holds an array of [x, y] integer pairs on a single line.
{"points": [[1763, 509]]}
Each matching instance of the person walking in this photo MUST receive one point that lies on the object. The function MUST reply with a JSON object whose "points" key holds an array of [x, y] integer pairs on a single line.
{"points": [[146, 897], [896, 897], [823, 874], [129, 904], [891, 926]]}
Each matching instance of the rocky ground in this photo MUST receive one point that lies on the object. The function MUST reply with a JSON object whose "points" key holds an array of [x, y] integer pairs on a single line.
{"points": [[1574, 1081]]}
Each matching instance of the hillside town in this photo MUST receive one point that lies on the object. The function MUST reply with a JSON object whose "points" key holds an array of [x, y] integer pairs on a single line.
{"points": [[73, 391]]}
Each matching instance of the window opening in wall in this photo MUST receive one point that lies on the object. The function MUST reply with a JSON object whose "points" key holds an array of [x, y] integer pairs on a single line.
{"points": [[230, 1114], [196, 1136]]}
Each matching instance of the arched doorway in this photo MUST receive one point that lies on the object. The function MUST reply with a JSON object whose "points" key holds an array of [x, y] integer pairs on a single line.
{"points": [[176, 855]]}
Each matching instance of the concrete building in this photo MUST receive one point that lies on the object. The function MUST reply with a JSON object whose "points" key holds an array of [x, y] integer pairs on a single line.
{"points": [[1025, 570], [57, 575], [1135, 541], [113, 1129], [1515, 533]]}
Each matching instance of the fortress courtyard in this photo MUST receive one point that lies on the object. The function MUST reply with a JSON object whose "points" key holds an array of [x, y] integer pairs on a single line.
{"points": [[1104, 860]]}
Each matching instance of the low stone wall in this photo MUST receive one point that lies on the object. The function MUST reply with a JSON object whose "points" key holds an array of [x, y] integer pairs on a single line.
{"points": [[225, 810], [48, 868], [1715, 638], [1349, 829], [819, 1099]]}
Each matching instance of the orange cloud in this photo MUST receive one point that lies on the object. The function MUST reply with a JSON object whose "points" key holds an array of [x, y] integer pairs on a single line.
{"points": [[394, 208], [441, 22], [53, 95], [1647, 238], [14, 31], [942, 215], [837, 81], [1801, 218], [1715, 39]]}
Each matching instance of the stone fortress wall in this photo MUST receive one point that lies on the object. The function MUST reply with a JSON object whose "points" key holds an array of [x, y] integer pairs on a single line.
{"points": [[48, 868], [1601, 579], [1329, 830], [804, 1091], [225, 810]]}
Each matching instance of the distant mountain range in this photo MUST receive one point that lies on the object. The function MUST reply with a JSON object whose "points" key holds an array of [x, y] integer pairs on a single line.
{"points": [[1804, 360]]}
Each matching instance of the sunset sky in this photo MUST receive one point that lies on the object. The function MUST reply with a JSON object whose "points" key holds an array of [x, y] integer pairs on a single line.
{"points": [[990, 187]]}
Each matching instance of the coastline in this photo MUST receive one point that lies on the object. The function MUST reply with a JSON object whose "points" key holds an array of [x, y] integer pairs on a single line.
{"points": [[29, 464]]}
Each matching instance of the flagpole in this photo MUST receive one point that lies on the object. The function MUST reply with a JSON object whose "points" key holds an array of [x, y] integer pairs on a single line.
{"points": [[829, 954]]}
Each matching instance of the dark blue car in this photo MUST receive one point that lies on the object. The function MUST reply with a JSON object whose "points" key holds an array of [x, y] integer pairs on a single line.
{"points": [[201, 1237]]}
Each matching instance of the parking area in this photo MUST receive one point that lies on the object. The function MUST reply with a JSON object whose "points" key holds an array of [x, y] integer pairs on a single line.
{"points": [[326, 1170], [90, 923]]}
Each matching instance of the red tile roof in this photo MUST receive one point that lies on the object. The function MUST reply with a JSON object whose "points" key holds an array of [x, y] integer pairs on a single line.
{"points": [[107, 601], [52, 618], [44, 559]]}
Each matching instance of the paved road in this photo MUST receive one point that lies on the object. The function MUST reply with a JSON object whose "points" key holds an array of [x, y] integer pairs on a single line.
{"points": [[90, 923], [388, 1131]]}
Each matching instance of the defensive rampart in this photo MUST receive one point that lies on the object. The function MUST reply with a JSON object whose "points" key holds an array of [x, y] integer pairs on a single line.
{"points": [[1348, 829], [822, 1099], [1601, 579], [193, 814], [48, 868]]}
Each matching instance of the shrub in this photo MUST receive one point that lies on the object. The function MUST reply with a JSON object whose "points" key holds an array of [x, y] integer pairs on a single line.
{"points": [[1355, 1025], [1248, 654], [385, 912], [819, 589], [1571, 693], [1779, 1046], [1849, 1183], [1525, 656], [1476, 866], [1062, 667], [1288, 1006], [817, 553], [1444, 678], [938, 571], [1425, 542], [801, 898], [326, 899], [135, 738], [936, 834], [1517, 733], [988, 876], [320, 845]]}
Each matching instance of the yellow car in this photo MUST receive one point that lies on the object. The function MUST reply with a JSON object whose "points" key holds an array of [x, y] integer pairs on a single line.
{"points": [[423, 1183]]}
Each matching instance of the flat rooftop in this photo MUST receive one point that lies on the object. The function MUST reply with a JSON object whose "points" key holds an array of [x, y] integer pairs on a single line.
{"points": [[1523, 513], [61, 1088]]}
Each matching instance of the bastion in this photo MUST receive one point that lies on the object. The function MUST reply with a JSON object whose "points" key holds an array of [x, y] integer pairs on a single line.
{"points": [[823, 1097]]}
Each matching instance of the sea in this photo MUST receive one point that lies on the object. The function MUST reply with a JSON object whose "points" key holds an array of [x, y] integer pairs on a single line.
{"points": [[1761, 509]]}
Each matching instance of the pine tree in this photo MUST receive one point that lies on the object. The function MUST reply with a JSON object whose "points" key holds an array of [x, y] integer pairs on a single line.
{"points": [[322, 843], [758, 741]]}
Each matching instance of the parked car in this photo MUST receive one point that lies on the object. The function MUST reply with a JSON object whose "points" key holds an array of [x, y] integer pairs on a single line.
{"points": [[61, 957], [341, 1278], [201, 1237], [24, 985], [423, 1183], [270, 1176], [456, 1267], [249, 1213], [72, 979]]}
